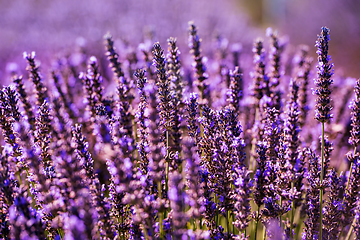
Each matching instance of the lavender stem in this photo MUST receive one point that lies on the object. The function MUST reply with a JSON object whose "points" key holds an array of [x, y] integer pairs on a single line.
{"points": [[322, 176], [292, 210], [161, 214], [257, 223]]}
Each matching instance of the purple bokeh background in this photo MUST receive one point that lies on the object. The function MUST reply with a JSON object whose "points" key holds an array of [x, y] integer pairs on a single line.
{"points": [[53, 27]]}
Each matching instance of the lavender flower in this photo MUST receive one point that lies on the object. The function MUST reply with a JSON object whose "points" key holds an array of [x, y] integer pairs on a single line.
{"points": [[145, 48], [166, 104], [235, 93], [82, 152], [195, 191], [323, 81], [323, 107], [174, 69], [302, 78], [352, 192], [7, 186], [199, 67], [33, 69], [333, 209], [272, 134], [292, 128], [9, 114], [260, 180], [242, 206], [113, 56], [357, 222], [26, 221], [311, 230], [25, 100], [193, 127], [177, 196], [43, 137], [276, 49], [143, 144], [64, 97], [355, 119], [174, 73], [91, 82], [261, 82]]}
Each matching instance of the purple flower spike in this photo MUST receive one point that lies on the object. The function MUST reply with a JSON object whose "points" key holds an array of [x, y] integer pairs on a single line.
{"points": [[323, 81]]}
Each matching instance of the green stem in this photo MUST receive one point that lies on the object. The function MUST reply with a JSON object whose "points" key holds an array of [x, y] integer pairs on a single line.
{"points": [[292, 210], [167, 164], [252, 161], [350, 171], [257, 223], [227, 223], [321, 176], [217, 212], [161, 214], [264, 233], [234, 230], [135, 154], [350, 230], [280, 214], [145, 233]]}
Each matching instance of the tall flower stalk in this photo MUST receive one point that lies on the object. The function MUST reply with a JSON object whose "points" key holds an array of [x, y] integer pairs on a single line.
{"points": [[165, 108], [354, 139], [199, 66], [323, 106]]}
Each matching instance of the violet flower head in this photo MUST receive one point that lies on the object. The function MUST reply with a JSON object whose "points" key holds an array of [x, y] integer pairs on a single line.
{"points": [[272, 134], [355, 118], [261, 82], [199, 66], [25, 100], [34, 70], [357, 219], [26, 221], [82, 152], [235, 93], [64, 97], [242, 208], [334, 207], [113, 56], [174, 69], [176, 84], [292, 128], [93, 73], [166, 104], [276, 48], [352, 192], [9, 114], [323, 81], [192, 108], [43, 138], [260, 179], [143, 143], [302, 78], [195, 189], [177, 195], [7, 195], [311, 229]]}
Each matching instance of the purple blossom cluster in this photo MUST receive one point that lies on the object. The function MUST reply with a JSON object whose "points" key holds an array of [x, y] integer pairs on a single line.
{"points": [[151, 148]]}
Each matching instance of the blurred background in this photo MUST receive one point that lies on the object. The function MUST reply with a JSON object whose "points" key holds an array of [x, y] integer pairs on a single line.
{"points": [[58, 26]]}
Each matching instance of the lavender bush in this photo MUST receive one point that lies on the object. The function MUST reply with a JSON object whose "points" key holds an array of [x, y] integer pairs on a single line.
{"points": [[170, 151]]}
